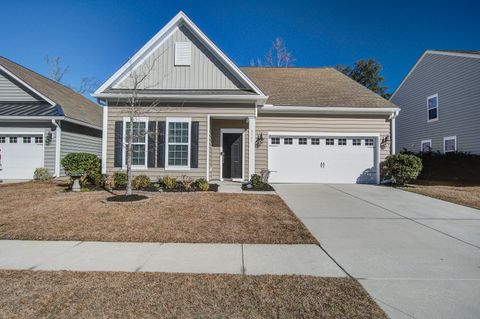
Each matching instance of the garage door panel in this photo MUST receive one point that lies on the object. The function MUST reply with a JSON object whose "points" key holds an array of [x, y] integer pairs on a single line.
{"points": [[321, 163], [20, 155]]}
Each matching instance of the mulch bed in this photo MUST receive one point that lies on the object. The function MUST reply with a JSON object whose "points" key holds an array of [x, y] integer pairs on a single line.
{"points": [[126, 198], [262, 188], [41, 211], [40, 294]]}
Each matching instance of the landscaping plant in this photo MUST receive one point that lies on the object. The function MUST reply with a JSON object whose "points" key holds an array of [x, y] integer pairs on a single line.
{"points": [[120, 180], [402, 168], [186, 182], [83, 164], [141, 181], [42, 174], [202, 184], [169, 182]]}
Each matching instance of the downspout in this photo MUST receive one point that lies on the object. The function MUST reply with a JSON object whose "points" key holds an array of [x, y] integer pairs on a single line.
{"points": [[104, 138], [392, 119], [58, 137]]}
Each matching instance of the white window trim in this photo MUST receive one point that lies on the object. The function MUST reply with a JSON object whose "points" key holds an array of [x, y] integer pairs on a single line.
{"points": [[447, 139], [126, 120], [438, 108], [426, 141], [175, 120]]}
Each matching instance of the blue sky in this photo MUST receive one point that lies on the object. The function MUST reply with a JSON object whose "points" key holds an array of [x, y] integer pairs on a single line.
{"points": [[96, 38]]}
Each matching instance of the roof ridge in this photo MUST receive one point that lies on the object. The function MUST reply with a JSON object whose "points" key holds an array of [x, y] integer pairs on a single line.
{"points": [[289, 67]]}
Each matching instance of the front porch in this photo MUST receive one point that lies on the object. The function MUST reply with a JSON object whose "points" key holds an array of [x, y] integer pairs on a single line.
{"points": [[231, 155]]}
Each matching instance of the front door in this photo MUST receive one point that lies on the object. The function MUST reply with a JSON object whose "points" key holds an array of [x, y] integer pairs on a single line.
{"points": [[232, 155]]}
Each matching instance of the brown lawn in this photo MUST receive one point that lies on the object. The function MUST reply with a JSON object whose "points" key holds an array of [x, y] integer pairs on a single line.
{"points": [[38, 294], [455, 192], [44, 211]]}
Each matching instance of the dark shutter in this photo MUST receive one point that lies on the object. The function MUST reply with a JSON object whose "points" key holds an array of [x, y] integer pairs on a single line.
{"points": [[194, 146], [152, 134], [118, 144], [161, 145]]}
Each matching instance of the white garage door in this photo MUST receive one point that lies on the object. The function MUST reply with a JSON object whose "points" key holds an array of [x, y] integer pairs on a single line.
{"points": [[322, 159], [20, 155]]}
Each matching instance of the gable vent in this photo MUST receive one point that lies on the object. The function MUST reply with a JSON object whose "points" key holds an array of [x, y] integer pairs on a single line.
{"points": [[183, 53]]}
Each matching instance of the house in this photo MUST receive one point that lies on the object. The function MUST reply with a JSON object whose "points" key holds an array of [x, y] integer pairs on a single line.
{"points": [[440, 102], [217, 121], [41, 121]]}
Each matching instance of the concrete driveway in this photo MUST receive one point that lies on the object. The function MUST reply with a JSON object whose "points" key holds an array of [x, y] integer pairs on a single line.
{"points": [[418, 257]]}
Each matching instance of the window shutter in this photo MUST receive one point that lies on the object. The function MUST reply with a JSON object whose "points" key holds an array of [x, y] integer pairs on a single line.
{"points": [[118, 144], [161, 144], [152, 134], [194, 146]]}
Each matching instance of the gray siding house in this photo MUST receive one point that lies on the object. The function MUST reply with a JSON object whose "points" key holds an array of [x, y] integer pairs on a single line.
{"points": [[440, 103], [41, 121], [202, 116]]}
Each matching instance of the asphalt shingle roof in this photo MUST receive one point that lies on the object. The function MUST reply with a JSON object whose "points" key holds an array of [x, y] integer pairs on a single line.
{"points": [[73, 104], [323, 87]]}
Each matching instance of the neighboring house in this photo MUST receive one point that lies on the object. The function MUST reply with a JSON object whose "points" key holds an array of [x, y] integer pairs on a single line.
{"points": [[41, 121], [218, 121], [440, 102]]}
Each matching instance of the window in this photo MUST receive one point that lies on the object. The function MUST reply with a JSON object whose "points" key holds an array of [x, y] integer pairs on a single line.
{"points": [[39, 139], [183, 53], [275, 140], [369, 142], [315, 141], [432, 107], [426, 146], [288, 141], [450, 144], [139, 141], [329, 141], [13, 139], [357, 142], [178, 139], [27, 139], [342, 141], [2, 139], [302, 141]]}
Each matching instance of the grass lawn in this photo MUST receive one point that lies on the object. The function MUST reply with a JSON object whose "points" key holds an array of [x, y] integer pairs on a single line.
{"points": [[38, 294], [43, 211], [455, 192]]}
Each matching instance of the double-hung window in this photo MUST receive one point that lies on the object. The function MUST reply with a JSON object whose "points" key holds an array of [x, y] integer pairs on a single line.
{"points": [[449, 144], [178, 143], [432, 108], [139, 132], [426, 145]]}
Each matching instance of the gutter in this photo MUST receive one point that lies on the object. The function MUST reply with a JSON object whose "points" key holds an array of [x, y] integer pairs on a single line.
{"points": [[268, 108]]}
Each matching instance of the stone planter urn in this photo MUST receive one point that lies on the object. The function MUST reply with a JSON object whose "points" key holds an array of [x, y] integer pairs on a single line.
{"points": [[76, 180]]}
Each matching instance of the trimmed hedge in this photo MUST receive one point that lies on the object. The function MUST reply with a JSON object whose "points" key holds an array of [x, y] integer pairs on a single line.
{"points": [[83, 164], [402, 168], [452, 166]]}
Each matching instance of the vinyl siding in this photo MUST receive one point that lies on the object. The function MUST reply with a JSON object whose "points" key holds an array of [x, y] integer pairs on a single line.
{"points": [[197, 112], [313, 123], [205, 71], [11, 92], [46, 127], [456, 80]]}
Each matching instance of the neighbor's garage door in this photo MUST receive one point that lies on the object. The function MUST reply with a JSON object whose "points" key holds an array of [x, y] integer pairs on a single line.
{"points": [[322, 159], [20, 155]]}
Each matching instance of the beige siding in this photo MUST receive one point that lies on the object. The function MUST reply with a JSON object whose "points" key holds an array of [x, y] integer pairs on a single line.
{"points": [[197, 112], [205, 71], [324, 124], [215, 128]]}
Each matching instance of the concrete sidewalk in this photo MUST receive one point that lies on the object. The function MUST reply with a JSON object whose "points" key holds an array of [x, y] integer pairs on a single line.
{"points": [[170, 257]]}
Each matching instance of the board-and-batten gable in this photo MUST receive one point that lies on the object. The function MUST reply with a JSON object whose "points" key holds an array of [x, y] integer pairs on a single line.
{"points": [[12, 91], [205, 71]]}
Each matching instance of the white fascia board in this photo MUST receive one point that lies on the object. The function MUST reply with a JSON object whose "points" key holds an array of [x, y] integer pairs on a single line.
{"points": [[328, 110], [183, 97], [165, 32], [459, 54], [27, 85], [32, 118]]}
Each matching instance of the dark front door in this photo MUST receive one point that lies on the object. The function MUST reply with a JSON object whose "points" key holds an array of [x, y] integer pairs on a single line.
{"points": [[232, 155]]}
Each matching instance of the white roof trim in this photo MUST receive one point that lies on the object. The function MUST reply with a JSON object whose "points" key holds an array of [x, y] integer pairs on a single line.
{"points": [[165, 32], [186, 97], [464, 55], [327, 110], [27, 85]]}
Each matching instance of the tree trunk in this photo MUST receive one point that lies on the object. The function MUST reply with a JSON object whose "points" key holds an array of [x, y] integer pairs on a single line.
{"points": [[129, 158]]}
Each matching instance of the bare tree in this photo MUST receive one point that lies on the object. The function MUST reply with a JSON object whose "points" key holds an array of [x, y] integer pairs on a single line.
{"points": [[277, 56], [87, 85], [57, 71]]}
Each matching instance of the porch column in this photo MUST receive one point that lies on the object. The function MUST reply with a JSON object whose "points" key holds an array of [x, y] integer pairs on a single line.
{"points": [[251, 145]]}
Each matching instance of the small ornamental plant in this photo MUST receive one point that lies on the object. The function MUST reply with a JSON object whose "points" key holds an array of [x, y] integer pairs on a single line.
{"points": [[402, 168]]}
